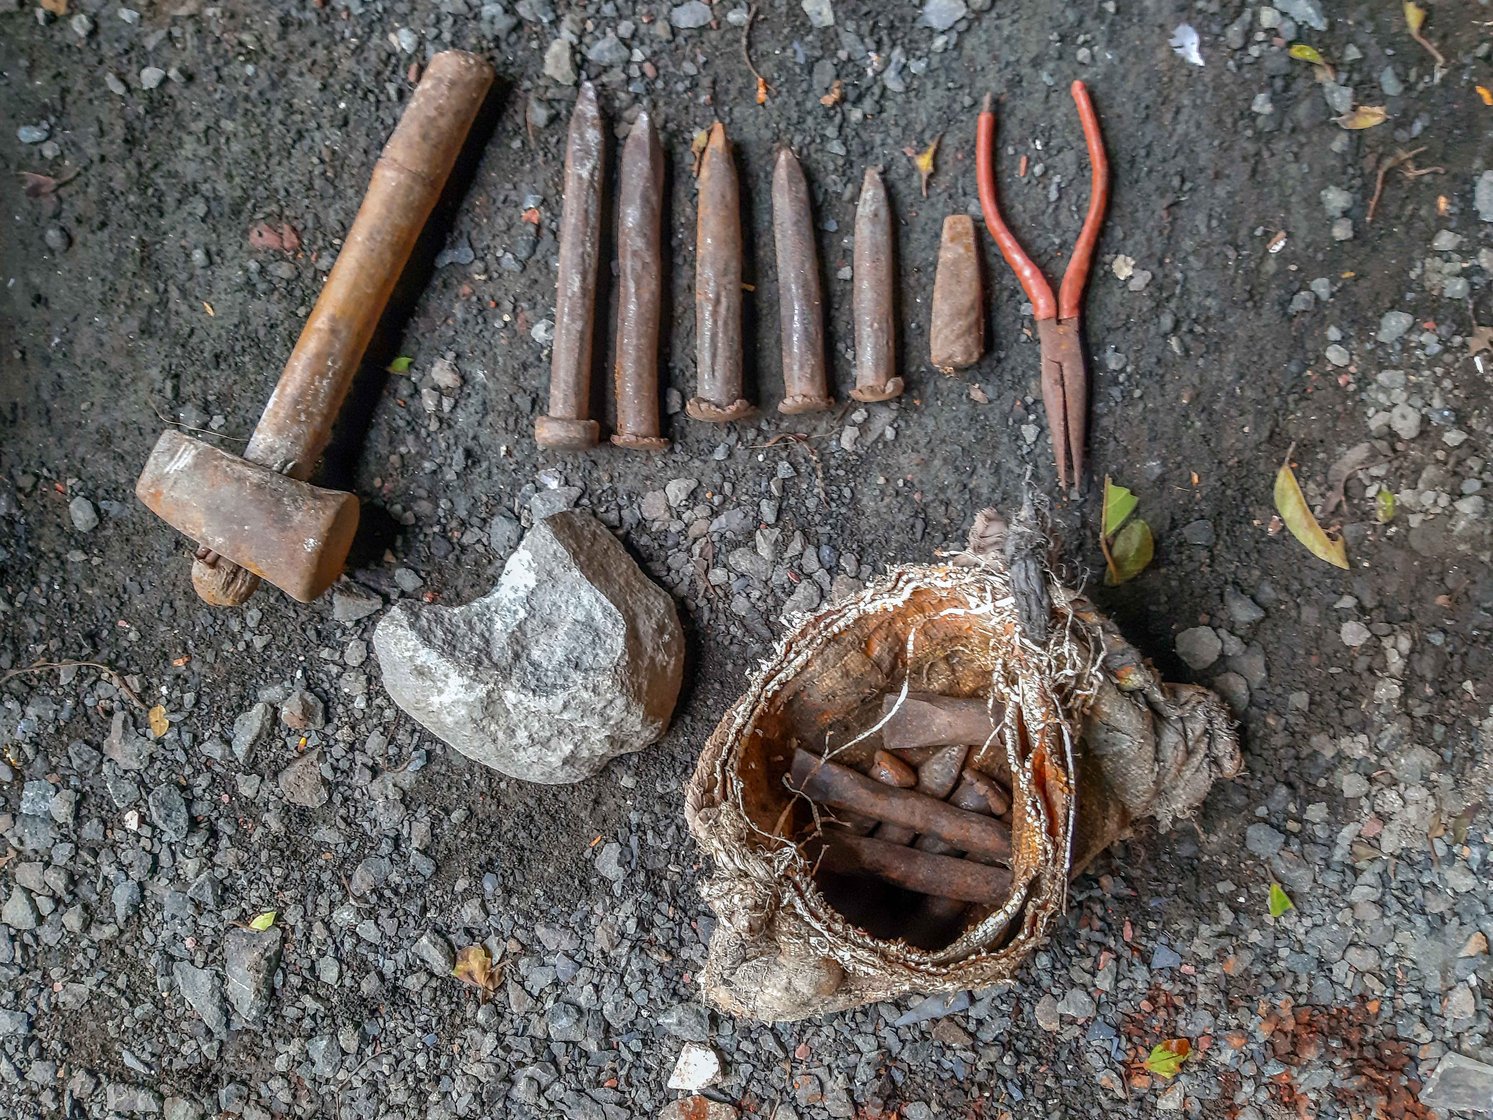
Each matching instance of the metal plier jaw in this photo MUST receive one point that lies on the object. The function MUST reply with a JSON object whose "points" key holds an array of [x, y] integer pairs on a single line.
{"points": [[1065, 379]]}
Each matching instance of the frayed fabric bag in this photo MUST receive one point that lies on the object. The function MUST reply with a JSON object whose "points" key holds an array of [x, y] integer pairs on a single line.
{"points": [[1083, 735]]}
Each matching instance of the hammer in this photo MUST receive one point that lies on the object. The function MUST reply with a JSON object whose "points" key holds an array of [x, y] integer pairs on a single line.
{"points": [[258, 517]]}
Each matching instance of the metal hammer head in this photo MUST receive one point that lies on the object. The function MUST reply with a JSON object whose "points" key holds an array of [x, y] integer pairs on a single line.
{"points": [[290, 533]]}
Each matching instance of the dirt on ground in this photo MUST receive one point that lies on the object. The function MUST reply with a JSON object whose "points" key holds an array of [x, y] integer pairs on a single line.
{"points": [[177, 182]]}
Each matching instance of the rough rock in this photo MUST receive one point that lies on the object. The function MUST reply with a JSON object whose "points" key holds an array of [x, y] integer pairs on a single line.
{"points": [[821, 13], [697, 1108], [944, 14], [1483, 196], [691, 15], [572, 659], [203, 991], [301, 781], [1199, 646], [84, 516], [20, 912], [250, 959], [1459, 1084], [559, 63], [698, 1066], [303, 711], [1393, 325]]}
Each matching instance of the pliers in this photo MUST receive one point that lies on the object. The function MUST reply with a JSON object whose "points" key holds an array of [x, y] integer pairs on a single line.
{"points": [[1065, 381]]}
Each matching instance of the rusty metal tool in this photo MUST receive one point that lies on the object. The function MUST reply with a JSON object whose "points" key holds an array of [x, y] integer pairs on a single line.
{"points": [[843, 788], [873, 298], [1065, 379], [800, 297], [936, 777], [719, 395], [956, 332], [944, 877], [640, 198], [925, 719], [568, 424], [258, 517]]}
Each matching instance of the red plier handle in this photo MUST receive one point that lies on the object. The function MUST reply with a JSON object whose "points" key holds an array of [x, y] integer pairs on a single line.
{"points": [[1032, 281], [1065, 382]]}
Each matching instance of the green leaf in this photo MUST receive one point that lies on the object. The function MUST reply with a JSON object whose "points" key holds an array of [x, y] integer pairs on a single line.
{"points": [[1291, 503], [1119, 503], [262, 922], [1130, 552], [1166, 1058], [1384, 506], [401, 364], [1307, 54], [1280, 902]]}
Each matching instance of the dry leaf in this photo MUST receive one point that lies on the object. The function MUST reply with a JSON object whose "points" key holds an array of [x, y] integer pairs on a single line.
{"points": [[1415, 17], [761, 90], [56, 7], [1363, 116], [1291, 503], [1480, 339], [1485, 93], [1348, 464], [475, 967], [1166, 1058], [835, 95], [159, 724], [37, 185], [923, 161]]}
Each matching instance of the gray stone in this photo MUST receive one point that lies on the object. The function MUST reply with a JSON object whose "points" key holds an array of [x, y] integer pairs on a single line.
{"points": [[504, 534], [1336, 201], [678, 490], [1459, 1084], [1354, 633], [303, 711], [14, 1024], [559, 63], [1308, 12], [1483, 196], [1077, 1004], [436, 952], [126, 899], [574, 658], [36, 797], [249, 729], [1164, 956], [1390, 82], [85, 517], [353, 603], [1234, 689], [203, 991], [1242, 609], [1263, 840], [20, 912], [821, 13], [168, 812], [944, 14], [250, 958], [1199, 533], [687, 1021], [182, 1108], [608, 51], [1405, 420], [134, 1100], [1046, 1013], [301, 782], [547, 503], [689, 16], [566, 1023], [151, 77], [1199, 646], [1393, 325]]}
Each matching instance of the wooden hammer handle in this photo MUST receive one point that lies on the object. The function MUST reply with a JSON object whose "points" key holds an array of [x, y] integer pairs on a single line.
{"points": [[407, 181]]}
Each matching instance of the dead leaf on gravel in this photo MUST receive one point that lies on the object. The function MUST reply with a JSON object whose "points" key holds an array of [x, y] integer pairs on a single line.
{"points": [[923, 161], [835, 95], [56, 7], [37, 185], [1480, 339], [1166, 1058], [475, 967], [1297, 515], [1363, 116], [159, 724], [1349, 463], [282, 237]]}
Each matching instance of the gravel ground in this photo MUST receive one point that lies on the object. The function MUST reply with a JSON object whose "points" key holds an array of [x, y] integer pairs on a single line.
{"points": [[204, 159]]}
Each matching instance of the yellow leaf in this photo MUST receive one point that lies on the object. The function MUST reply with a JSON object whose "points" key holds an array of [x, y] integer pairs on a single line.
{"points": [[263, 921], [1486, 94], [1166, 1058], [159, 724], [475, 967], [1363, 116], [1415, 17], [923, 161], [1307, 54], [1280, 901], [1297, 515]]}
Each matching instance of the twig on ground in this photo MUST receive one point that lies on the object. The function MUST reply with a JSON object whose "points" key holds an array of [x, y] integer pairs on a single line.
{"points": [[763, 89], [115, 677], [1400, 159]]}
